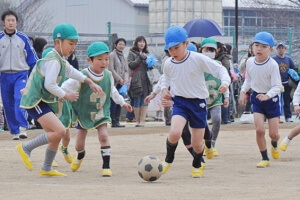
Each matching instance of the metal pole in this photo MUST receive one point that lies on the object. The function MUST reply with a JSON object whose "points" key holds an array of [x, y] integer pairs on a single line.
{"points": [[236, 42], [169, 12]]}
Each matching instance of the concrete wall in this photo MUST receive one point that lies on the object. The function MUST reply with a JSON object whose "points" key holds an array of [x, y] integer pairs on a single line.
{"points": [[182, 11]]}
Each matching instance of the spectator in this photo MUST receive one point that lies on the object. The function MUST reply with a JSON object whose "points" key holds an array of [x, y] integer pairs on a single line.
{"points": [[140, 86], [39, 46], [285, 63], [119, 69], [73, 60], [224, 58], [17, 60]]}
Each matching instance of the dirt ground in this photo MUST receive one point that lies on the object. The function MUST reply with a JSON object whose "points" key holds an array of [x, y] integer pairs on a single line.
{"points": [[232, 175]]}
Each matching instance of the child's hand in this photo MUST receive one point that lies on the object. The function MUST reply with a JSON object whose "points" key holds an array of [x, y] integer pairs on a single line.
{"points": [[121, 82], [96, 88], [127, 107], [262, 97], [149, 98], [226, 102], [223, 88], [297, 109], [72, 96], [243, 98], [22, 91], [166, 94], [166, 103]]}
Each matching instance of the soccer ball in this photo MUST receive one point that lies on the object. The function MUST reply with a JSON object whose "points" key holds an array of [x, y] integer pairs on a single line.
{"points": [[150, 168]]}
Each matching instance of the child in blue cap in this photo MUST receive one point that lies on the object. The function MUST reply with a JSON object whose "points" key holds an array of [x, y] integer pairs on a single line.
{"points": [[184, 72], [42, 94], [263, 77], [93, 110]]}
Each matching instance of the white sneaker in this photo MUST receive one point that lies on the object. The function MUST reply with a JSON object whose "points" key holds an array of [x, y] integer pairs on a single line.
{"points": [[23, 133], [16, 137]]}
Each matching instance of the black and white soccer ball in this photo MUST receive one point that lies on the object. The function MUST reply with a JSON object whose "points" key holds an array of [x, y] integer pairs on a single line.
{"points": [[150, 168]]}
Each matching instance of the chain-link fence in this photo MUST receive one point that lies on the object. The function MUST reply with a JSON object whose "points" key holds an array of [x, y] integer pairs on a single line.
{"points": [[81, 48]]}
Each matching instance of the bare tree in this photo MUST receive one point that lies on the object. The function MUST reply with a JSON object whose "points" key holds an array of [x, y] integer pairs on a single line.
{"points": [[33, 15]]}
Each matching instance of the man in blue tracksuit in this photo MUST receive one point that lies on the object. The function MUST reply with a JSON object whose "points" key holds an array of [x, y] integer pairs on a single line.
{"points": [[17, 58]]}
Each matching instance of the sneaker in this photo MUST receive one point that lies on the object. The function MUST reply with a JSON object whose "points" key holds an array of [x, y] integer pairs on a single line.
{"points": [[283, 146], [263, 164], [51, 173], [54, 164], [76, 164], [209, 152], [68, 157], [23, 133], [288, 120], [203, 164], [24, 157], [166, 167], [197, 172], [106, 172], [16, 137], [216, 153], [1, 129], [275, 152]]}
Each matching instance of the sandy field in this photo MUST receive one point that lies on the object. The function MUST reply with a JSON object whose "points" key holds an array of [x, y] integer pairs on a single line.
{"points": [[232, 175]]}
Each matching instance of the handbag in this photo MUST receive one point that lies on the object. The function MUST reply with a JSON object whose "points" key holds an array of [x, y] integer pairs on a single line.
{"points": [[153, 75]]}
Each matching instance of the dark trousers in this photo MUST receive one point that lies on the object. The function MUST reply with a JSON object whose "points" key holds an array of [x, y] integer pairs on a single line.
{"points": [[130, 115], [287, 101]]}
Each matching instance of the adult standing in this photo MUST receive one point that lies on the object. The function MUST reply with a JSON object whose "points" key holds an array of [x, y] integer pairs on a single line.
{"points": [[285, 63], [17, 58], [140, 86], [224, 58], [119, 69]]}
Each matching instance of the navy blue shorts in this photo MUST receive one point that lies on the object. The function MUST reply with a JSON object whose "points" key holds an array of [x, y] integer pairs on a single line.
{"points": [[193, 110], [39, 110], [269, 108]]}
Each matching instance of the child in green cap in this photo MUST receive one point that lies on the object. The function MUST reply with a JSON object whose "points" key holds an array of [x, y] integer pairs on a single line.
{"points": [[42, 94], [93, 110], [215, 99]]}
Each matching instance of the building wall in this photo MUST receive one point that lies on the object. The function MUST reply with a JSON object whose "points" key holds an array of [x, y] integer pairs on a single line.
{"points": [[182, 11], [92, 16]]}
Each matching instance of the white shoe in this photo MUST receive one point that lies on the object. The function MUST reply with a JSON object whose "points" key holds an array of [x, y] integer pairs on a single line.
{"points": [[16, 137], [23, 133]]}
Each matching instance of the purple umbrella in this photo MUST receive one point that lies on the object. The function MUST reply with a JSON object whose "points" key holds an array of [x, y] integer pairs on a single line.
{"points": [[203, 28]]}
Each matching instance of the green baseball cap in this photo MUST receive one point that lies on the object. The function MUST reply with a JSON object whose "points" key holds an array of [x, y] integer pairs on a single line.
{"points": [[65, 31], [209, 42], [96, 49]]}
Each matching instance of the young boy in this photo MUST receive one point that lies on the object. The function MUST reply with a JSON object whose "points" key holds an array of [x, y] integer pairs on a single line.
{"points": [[93, 111], [42, 93], [295, 131], [184, 71], [263, 77], [214, 101]]}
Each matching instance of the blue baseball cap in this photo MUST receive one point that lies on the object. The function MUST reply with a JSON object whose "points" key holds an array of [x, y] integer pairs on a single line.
{"points": [[264, 38], [281, 44], [174, 36], [192, 47]]}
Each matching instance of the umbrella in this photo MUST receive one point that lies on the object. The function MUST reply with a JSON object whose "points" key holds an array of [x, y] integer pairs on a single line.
{"points": [[203, 28]]}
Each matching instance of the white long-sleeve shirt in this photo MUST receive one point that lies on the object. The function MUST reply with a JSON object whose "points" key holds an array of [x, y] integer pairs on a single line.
{"points": [[262, 77], [51, 70], [72, 85], [296, 97], [186, 77]]}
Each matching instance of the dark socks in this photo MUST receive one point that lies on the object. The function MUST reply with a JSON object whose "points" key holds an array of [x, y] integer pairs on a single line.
{"points": [[274, 143], [81, 154], [197, 159], [171, 148], [264, 155], [105, 152], [208, 143]]}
